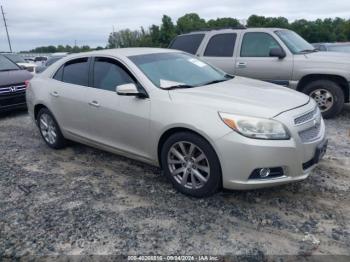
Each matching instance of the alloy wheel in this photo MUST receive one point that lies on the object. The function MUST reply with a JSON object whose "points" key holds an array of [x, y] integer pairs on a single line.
{"points": [[188, 165], [323, 98], [48, 128]]}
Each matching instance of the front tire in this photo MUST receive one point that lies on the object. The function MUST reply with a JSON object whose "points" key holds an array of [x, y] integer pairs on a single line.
{"points": [[191, 164], [49, 129], [328, 95]]}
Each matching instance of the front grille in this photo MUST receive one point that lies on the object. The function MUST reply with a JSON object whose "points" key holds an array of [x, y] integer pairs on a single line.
{"points": [[307, 117], [12, 89], [310, 134], [12, 100]]}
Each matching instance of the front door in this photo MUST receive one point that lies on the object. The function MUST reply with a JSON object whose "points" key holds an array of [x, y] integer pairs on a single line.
{"points": [[121, 122], [254, 59]]}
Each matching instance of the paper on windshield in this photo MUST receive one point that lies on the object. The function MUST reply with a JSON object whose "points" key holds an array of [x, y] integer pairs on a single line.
{"points": [[197, 62], [168, 83]]}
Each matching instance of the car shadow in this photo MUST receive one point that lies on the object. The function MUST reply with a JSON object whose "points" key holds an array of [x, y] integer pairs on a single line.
{"points": [[13, 113]]}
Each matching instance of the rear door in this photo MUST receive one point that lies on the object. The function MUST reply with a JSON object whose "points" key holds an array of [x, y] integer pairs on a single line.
{"points": [[220, 50], [68, 92], [254, 60]]}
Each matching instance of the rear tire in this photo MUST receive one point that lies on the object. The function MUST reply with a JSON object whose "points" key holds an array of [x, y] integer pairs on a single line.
{"points": [[49, 129], [191, 164], [328, 95]]}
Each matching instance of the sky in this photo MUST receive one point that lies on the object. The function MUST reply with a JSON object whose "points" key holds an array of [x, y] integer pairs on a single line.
{"points": [[33, 23]]}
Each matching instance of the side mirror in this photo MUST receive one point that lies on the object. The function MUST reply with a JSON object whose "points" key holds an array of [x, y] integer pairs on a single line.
{"points": [[277, 52], [129, 90]]}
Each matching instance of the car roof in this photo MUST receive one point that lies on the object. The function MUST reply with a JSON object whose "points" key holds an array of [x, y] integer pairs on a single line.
{"points": [[230, 30], [131, 51]]}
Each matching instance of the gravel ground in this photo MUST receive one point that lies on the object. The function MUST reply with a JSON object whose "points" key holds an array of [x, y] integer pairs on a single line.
{"points": [[85, 201]]}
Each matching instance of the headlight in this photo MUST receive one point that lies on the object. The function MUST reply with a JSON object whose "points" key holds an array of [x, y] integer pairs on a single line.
{"points": [[258, 128]]}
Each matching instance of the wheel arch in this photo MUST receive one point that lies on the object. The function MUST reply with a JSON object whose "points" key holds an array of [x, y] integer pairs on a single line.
{"points": [[340, 80], [169, 132], [37, 108]]}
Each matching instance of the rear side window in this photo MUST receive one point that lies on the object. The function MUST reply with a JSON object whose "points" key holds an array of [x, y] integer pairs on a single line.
{"points": [[108, 74], [76, 72], [187, 43], [221, 45], [59, 74], [257, 44]]}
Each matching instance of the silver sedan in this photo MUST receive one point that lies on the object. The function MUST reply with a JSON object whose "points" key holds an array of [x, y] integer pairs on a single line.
{"points": [[204, 128]]}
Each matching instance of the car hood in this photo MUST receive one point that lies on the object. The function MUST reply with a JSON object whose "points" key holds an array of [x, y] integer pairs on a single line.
{"points": [[14, 77], [242, 96], [329, 57]]}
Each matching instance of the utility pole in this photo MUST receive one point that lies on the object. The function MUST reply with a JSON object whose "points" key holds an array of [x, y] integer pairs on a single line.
{"points": [[7, 32]]}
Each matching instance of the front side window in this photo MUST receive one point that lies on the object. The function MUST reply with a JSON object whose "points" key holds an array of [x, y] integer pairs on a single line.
{"points": [[167, 70], [221, 45], [76, 72], [257, 44], [108, 74], [187, 43]]}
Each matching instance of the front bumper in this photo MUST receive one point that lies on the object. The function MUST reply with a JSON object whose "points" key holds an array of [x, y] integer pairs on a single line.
{"points": [[12, 101], [240, 156]]}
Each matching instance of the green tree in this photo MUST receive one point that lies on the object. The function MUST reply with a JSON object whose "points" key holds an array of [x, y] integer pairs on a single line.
{"points": [[224, 22], [189, 22], [167, 31], [123, 38], [155, 35], [262, 21]]}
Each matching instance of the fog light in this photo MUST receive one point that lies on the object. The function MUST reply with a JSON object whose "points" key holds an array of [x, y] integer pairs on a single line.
{"points": [[264, 172], [267, 173]]}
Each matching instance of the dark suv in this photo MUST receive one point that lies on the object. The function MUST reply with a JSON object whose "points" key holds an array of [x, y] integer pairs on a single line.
{"points": [[12, 85]]}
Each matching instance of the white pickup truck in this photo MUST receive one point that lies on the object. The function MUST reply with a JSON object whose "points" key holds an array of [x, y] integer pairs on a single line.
{"points": [[276, 55]]}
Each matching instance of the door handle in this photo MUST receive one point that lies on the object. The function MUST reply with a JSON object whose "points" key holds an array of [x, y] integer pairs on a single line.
{"points": [[94, 104], [54, 93], [241, 64]]}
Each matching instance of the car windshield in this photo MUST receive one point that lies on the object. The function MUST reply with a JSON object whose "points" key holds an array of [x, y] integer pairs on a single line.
{"points": [[177, 70], [339, 48], [52, 60], [295, 43], [15, 58], [7, 65]]}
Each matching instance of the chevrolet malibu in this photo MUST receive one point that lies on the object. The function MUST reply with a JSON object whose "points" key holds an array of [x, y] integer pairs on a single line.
{"points": [[206, 129]]}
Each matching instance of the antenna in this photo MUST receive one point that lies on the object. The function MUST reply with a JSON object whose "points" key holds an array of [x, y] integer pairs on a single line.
{"points": [[7, 32]]}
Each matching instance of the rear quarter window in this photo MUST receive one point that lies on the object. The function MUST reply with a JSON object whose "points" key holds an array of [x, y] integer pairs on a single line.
{"points": [[187, 43]]}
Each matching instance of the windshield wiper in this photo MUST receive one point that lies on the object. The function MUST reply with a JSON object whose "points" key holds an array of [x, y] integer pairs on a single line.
{"points": [[176, 87], [308, 51], [227, 77]]}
